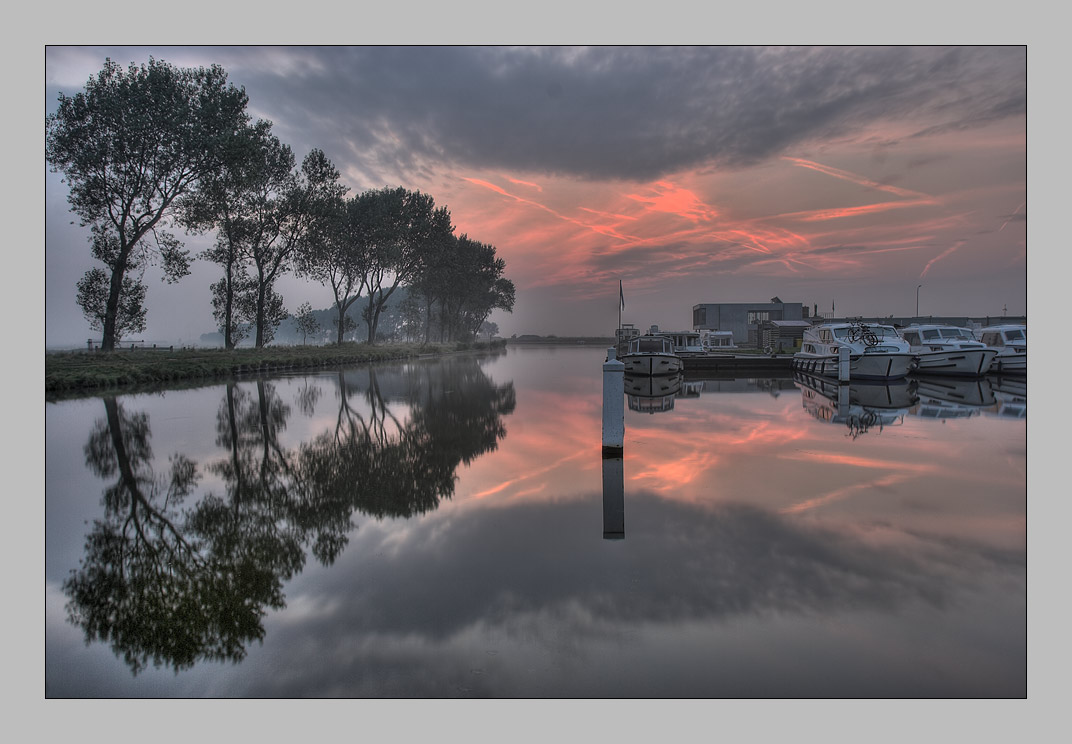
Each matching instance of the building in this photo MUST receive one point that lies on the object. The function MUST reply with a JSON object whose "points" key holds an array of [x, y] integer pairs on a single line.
{"points": [[743, 319], [782, 335]]}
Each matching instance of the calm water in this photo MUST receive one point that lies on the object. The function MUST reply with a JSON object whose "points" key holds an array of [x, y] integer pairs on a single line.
{"points": [[450, 529]]}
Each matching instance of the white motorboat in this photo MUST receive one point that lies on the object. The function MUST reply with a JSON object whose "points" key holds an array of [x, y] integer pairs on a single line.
{"points": [[1010, 343], [651, 355], [876, 352], [947, 350]]}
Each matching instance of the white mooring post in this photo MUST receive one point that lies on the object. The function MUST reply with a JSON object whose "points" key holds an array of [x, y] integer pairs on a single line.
{"points": [[613, 405], [843, 364]]}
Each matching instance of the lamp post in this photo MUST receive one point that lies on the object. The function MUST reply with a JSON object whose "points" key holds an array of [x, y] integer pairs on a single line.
{"points": [[917, 299]]}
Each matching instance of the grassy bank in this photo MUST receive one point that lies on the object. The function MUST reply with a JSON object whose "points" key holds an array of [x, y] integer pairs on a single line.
{"points": [[94, 371]]}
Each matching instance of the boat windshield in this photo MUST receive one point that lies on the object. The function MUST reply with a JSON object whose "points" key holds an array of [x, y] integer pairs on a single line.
{"points": [[956, 333], [1015, 334], [650, 345], [930, 333], [880, 331]]}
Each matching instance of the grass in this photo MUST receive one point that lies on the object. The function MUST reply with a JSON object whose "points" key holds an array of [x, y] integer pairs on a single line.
{"points": [[77, 371]]}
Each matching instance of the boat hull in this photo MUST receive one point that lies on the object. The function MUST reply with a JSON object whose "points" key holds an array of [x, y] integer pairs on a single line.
{"points": [[962, 362], [651, 364], [1011, 363], [861, 366]]}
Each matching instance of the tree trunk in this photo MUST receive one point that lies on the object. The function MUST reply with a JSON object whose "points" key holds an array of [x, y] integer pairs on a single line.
{"points": [[111, 312], [260, 315], [370, 322], [228, 308]]}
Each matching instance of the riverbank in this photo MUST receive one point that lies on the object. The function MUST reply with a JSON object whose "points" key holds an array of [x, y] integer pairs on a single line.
{"points": [[73, 371]]}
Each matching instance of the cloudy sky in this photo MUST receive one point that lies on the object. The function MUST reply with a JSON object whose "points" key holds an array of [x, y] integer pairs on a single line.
{"points": [[840, 177]]}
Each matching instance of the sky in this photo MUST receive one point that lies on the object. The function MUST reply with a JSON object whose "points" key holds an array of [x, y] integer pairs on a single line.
{"points": [[839, 177]]}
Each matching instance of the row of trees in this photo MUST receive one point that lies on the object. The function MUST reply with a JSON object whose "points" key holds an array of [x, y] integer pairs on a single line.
{"points": [[154, 147]]}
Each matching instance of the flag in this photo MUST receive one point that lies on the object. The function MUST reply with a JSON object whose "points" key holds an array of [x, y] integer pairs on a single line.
{"points": [[621, 294]]}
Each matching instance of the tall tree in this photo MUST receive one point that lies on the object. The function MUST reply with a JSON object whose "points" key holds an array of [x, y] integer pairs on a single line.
{"points": [[403, 229], [290, 216], [233, 201], [337, 253], [130, 146], [464, 282]]}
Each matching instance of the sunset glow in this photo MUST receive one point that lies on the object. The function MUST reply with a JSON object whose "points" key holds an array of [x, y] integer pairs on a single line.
{"points": [[815, 192]]}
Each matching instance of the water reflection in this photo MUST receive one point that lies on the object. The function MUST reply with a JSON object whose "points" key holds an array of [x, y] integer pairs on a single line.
{"points": [[769, 555], [172, 576], [860, 406], [613, 498]]}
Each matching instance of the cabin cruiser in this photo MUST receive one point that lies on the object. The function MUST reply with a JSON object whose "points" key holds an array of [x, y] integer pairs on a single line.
{"points": [[947, 350], [876, 352], [1010, 342], [651, 355]]}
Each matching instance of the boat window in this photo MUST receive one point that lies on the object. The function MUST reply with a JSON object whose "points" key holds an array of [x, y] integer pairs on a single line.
{"points": [[955, 333], [931, 333], [993, 339], [912, 338], [651, 345], [838, 333], [1015, 334]]}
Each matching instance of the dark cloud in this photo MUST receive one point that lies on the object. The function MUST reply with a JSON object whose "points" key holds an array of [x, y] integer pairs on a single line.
{"points": [[613, 112]]}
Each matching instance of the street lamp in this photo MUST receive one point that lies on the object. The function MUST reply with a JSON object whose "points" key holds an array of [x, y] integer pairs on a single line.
{"points": [[917, 299]]}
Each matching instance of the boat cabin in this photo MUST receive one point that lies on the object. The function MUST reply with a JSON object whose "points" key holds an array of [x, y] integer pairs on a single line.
{"points": [[1002, 336]]}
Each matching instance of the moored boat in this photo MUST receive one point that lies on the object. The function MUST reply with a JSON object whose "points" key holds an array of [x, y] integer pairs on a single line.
{"points": [[947, 350], [1010, 343], [651, 355], [876, 352]]}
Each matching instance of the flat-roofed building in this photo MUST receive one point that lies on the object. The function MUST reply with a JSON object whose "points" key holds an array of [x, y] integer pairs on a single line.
{"points": [[743, 319]]}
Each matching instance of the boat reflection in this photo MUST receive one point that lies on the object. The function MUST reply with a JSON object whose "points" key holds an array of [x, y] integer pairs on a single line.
{"points": [[1010, 396], [951, 397], [860, 406], [652, 394]]}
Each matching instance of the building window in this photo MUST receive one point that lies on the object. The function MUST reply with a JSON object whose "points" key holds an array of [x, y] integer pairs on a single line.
{"points": [[699, 317], [757, 316]]}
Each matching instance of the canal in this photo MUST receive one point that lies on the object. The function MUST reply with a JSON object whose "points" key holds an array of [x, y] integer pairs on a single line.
{"points": [[448, 528]]}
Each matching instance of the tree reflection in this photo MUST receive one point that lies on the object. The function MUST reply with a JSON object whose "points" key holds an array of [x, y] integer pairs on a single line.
{"points": [[174, 579], [157, 581], [388, 467]]}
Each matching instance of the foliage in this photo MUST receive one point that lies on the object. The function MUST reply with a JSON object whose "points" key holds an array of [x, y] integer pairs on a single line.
{"points": [[93, 299], [307, 322], [402, 230], [131, 145]]}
